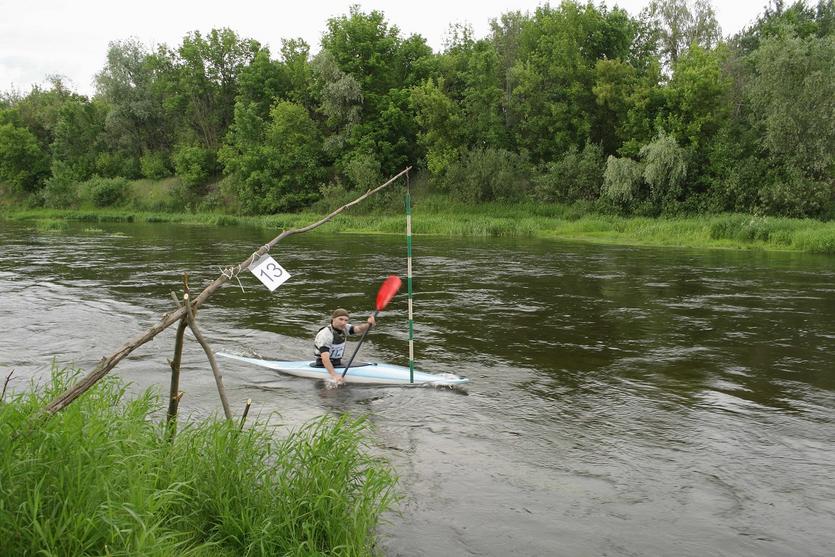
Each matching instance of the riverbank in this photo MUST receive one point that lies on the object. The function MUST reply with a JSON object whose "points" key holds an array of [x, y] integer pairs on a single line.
{"points": [[436, 216], [102, 477]]}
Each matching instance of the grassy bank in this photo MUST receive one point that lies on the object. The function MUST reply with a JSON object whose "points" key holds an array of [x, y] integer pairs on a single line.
{"points": [[100, 478], [438, 216]]}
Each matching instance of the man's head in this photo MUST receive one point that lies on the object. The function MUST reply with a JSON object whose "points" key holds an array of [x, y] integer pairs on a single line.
{"points": [[339, 318]]}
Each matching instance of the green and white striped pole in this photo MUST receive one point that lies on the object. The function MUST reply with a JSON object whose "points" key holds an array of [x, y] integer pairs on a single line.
{"points": [[409, 282]]}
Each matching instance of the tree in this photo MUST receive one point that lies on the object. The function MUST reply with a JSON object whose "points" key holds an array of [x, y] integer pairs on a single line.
{"points": [[79, 138], [23, 164], [136, 122], [678, 24], [552, 101], [665, 169], [208, 70], [371, 52], [278, 162], [792, 96], [340, 101], [440, 122], [621, 181]]}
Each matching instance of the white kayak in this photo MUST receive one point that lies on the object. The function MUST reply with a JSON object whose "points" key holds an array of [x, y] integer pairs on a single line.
{"points": [[368, 373]]}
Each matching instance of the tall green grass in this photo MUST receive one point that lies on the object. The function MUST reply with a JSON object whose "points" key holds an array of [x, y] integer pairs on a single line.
{"points": [[437, 215], [101, 478]]}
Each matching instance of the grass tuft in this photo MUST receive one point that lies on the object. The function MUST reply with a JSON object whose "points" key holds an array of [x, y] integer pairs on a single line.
{"points": [[101, 478]]}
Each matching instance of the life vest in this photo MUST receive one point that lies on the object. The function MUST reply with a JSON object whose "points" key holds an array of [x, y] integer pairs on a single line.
{"points": [[332, 339]]}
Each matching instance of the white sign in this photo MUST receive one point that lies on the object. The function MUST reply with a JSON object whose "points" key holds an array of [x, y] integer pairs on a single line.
{"points": [[269, 272]]}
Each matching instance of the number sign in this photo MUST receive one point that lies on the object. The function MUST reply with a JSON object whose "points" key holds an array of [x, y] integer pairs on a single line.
{"points": [[269, 272]]}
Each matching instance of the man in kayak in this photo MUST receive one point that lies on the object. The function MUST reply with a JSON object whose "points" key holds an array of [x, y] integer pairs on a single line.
{"points": [[330, 342]]}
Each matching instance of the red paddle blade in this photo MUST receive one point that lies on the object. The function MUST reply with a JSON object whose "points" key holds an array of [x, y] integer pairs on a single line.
{"points": [[387, 291]]}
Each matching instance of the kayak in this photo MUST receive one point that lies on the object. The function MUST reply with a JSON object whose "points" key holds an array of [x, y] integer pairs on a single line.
{"points": [[368, 373]]}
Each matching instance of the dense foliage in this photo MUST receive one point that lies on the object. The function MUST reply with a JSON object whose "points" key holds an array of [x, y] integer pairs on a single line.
{"points": [[649, 114]]}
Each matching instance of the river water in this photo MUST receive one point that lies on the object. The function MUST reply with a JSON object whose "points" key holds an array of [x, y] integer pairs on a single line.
{"points": [[623, 401]]}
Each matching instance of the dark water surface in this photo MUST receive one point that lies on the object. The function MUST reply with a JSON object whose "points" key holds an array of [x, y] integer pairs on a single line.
{"points": [[624, 401]]}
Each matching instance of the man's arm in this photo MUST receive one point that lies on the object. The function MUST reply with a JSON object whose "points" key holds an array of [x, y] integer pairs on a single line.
{"points": [[326, 361], [359, 329]]}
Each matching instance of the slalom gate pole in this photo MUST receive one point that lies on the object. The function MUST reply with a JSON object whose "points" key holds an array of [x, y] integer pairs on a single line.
{"points": [[409, 281]]}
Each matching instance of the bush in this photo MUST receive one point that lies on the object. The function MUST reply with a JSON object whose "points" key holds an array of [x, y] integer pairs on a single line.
{"points": [[154, 166], [106, 192], [362, 170], [796, 196], [194, 166], [60, 192], [115, 164], [488, 175], [577, 176]]}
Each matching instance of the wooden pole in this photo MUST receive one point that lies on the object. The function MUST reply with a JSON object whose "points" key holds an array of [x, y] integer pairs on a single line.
{"points": [[6, 384], [174, 394], [192, 323], [246, 411], [107, 363]]}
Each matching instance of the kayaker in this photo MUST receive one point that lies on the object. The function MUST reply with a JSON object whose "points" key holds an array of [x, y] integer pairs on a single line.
{"points": [[330, 342]]}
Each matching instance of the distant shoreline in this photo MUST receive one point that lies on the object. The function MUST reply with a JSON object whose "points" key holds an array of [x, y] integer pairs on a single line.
{"points": [[724, 231]]}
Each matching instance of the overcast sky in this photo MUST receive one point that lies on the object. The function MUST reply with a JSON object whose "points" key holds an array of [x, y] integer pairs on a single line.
{"points": [[69, 38]]}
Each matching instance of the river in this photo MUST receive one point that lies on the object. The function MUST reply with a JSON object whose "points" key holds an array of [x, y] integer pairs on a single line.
{"points": [[623, 401]]}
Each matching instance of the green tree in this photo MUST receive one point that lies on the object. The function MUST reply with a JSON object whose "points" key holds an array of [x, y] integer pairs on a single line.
{"points": [[208, 69], [622, 182], [23, 164], [552, 80], [79, 138], [792, 96], [440, 122], [367, 49], [678, 24], [665, 171], [278, 162], [136, 122]]}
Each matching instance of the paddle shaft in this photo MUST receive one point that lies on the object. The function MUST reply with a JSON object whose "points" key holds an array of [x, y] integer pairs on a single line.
{"points": [[357, 349]]}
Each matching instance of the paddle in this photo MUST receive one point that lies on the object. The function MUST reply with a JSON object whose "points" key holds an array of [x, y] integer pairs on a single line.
{"points": [[387, 291]]}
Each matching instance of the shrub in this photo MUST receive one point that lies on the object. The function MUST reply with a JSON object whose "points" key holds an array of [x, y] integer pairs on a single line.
{"points": [[488, 175], [154, 166], [194, 166], [795, 195], [578, 175], [60, 193], [362, 170], [113, 164], [106, 192]]}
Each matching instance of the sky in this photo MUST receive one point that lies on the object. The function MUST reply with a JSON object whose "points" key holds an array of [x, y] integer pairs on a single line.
{"points": [[39, 38]]}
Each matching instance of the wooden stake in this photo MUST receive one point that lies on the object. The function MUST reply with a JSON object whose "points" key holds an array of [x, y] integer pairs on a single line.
{"points": [[246, 411], [192, 322], [6, 384], [174, 394]]}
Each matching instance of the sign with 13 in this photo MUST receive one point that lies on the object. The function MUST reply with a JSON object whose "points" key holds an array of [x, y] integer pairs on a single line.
{"points": [[269, 272]]}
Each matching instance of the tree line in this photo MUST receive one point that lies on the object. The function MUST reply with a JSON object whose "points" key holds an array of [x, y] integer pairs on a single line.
{"points": [[576, 103]]}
